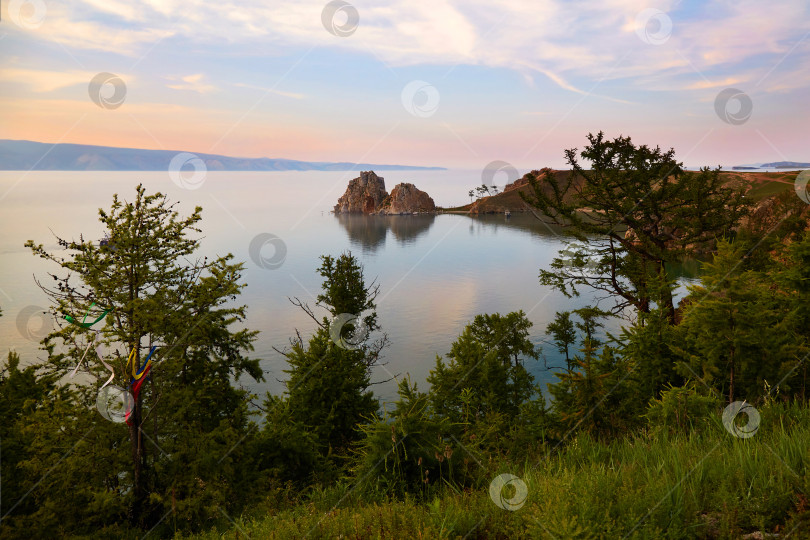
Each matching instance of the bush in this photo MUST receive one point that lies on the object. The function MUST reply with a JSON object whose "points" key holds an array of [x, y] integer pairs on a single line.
{"points": [[682, 409], [410, 451]]}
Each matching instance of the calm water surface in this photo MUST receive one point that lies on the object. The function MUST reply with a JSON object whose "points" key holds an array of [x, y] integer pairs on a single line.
{"points": [[435, 272]]}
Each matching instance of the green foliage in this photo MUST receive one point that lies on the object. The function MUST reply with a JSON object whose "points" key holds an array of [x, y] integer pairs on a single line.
{"points": [[589, 324], [285, 450], [22, 393], [563, 334], [345, 291], [328, 386], [487, 362], [596, 394], [410, 450], [683, 409], [792, 277], [183, 453], [734, 333], [650, 347], [636, 208], [327, 390], [651, 485], [595, 397]]}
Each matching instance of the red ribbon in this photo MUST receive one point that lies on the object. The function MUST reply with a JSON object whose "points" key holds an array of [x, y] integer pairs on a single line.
{"points": [[136, 390]]}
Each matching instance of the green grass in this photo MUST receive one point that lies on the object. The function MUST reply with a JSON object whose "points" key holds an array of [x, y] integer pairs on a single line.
{"points": [[768, 189], [696, 485]]}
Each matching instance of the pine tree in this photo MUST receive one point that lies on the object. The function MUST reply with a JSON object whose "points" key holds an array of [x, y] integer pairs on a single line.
{"points": [[791, 274], [487, 358], [185, 425], [651, 347], [563, 334], [637, 210], [734, 333], [330, 374], [21, 393]]}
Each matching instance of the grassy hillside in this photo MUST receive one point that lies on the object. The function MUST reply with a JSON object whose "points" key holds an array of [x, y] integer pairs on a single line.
{"points": [[764, 184], [658, 484]]}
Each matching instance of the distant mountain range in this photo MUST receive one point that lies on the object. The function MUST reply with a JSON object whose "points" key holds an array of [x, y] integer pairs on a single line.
{"points": [[29, 155], [774, 165]]}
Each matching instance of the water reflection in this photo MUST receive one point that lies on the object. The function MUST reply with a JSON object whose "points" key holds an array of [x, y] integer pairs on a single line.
{"points": [[370, 232], [687, 270], [523, 221]]}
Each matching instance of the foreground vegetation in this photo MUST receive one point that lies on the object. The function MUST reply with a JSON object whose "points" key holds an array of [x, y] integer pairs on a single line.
{"points": [[691, 422], [696, 483]]}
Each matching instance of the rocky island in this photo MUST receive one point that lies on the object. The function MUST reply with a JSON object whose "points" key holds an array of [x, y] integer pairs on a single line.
{"points": [[366, 194]]}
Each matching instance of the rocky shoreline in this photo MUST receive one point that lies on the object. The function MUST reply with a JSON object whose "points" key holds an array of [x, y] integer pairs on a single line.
{"points": [[367, 195]]}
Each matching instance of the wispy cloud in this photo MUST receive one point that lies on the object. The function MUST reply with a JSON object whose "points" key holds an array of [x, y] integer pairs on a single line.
{"points": [[47, 80], [293, 95], [193, 83], [567, 42], [511, 72], [702, 85]]}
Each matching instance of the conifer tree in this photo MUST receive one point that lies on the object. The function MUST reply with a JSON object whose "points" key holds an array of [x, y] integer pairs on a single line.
{"points": [[330, 374], [563, 334], [487, 358], [637, 210], [178, 447], [735, 334]]}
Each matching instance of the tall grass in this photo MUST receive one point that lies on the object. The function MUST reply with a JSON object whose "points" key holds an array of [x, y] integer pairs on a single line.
{"points": [[705, 484]]}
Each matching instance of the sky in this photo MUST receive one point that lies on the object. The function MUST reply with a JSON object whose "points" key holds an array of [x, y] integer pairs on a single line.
{"points": [[457, 84]]}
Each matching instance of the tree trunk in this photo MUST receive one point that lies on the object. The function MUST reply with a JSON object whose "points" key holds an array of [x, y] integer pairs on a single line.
{"points": [[731, 383], [731, 351], [138, 459]]}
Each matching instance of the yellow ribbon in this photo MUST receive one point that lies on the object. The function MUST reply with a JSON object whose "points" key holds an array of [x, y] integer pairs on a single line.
{"points": [[131, 361]]}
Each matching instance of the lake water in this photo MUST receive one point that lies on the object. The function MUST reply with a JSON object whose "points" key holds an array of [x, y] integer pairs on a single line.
{"points": [[435, 272]]}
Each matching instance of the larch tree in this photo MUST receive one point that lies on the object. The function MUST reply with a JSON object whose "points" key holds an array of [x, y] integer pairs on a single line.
{"points": [[635, 211], [328, 390], [183, 428]]}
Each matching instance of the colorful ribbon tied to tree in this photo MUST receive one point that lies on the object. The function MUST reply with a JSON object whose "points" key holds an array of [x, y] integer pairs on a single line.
{"points": [[137, 376], [88, 325], [85, 324]]}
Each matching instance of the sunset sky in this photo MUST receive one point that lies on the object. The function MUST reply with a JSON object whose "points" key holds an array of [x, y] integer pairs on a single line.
{"points": [[516, 80]]}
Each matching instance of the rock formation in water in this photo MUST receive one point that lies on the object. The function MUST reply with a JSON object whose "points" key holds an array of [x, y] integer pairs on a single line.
{"points": [[364, 195], [406, 199]]}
